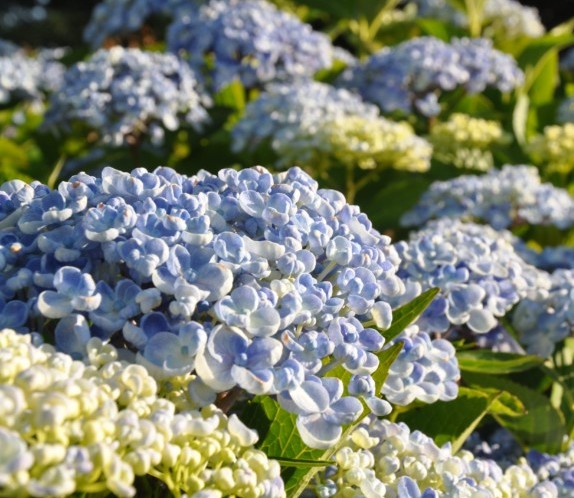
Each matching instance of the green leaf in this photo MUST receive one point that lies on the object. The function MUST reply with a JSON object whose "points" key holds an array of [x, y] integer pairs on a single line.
{"points": [[451, 421], [405, 315], [490, 362], [506, 404], [300, 462], [233, 96], [542, 427], [433, 27], [520, 118], [386, 359], [543, 85]]}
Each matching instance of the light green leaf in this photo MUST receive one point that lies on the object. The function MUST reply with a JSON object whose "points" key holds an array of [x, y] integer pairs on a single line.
{"points": [[405, 315], [490, 362], [232, 96], [520, 118], [451, 421]]}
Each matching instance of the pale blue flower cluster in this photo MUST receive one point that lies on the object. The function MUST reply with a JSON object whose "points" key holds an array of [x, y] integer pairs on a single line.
{"points": [[28, 78], [254, 282], [480, 275], [113, 17], [249, 40], [567, 62], [543, 322], [425, 370], [382, 458], [499, 445], [411, 76], [558, 469], [501, 198], [123, 93], [440, 9]]}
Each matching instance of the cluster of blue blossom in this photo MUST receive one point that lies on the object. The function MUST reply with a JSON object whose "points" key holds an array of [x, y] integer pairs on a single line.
{"points": [[322, 123], [558, 469], [501, 198], [480, 275], [504, 18], [123, 93], [250, 40], [113, 17], [425, 370], [567, 62], [543, 322], [385, 459], [254, 281], [411, 76], [28, 77], [68, 427]]}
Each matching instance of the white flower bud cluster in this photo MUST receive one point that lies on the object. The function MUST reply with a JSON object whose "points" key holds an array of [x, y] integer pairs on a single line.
{"points": [[68, 427], [385, 459], [465, 142]]}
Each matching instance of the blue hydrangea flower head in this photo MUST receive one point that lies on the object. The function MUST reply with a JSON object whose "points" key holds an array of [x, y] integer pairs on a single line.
{"points": [[480, 275], [124, 93], [26, 77], [246, 280], [249, 40], [501, 198], [412, 76]]}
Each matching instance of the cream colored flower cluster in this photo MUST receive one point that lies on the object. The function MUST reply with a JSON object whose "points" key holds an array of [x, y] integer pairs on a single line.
{"points": [[554, 149], [385, 459], [69, 427], [375, 142], [465, 142]]}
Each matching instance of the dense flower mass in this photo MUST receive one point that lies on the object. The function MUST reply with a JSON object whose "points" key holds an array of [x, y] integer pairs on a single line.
{"points": [[123, 93], [249, 40], [480, 275], [543, 322], [425, 370], [558, 469], [554, 149], [508, 19], [411, 76], [113, 17], [466, 142], [253, 281], [501, 198], [381, 458], [28, 78], [325, 124], [68, 427]]}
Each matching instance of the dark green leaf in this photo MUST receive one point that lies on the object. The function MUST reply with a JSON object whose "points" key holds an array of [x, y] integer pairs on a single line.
{"points": [[405, 315], [542, 427], [451, 421], [490, 362], [300, 462]]}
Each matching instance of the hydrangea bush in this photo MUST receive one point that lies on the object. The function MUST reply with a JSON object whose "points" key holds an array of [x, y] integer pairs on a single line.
{"points": [[245, 332]]}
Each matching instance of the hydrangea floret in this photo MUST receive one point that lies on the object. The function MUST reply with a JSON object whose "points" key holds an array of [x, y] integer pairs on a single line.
{"points": [[68, 426], [122, 94], [502, 198], [325, 124], [466, 142], [256, 283], [480, 275], [382, 458], [251, 41], [411, 76]]}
